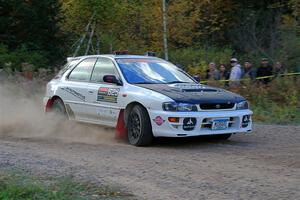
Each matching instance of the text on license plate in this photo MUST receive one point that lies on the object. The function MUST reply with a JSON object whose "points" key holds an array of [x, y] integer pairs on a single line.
{"points": [[220, 124]]}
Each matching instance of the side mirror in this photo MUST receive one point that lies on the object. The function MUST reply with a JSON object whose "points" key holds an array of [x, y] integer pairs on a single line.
{"points": [[111, 79]]}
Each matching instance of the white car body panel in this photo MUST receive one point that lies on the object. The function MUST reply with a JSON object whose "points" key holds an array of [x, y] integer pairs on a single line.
{"points": [[81, 101]]}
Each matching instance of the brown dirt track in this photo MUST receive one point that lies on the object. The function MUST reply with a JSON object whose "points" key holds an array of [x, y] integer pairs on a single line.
{"points": [[262, 165]]}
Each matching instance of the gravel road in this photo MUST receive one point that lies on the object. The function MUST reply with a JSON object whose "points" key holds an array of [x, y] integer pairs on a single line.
{"points": [[262, 165]]}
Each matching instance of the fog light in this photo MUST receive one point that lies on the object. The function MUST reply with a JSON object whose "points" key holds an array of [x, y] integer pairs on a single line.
{"points": [[246, 118], [173, 119], [245, 121]]}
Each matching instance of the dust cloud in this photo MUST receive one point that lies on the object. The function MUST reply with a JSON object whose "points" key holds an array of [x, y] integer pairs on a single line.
{"points": [[22, 116]]}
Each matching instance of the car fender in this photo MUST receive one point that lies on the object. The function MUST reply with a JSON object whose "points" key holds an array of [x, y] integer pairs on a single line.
{"points": [[131, 95], [52, 92]]}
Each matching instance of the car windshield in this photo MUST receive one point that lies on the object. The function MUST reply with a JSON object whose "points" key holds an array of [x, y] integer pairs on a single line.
{"points": [[151, 71]]}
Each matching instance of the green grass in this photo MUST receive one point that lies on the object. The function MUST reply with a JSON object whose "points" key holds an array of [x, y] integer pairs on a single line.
{"points": [[19, 186]]}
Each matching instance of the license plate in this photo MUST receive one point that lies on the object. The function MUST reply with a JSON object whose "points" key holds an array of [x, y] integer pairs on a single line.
{"points": [[220, 124]]}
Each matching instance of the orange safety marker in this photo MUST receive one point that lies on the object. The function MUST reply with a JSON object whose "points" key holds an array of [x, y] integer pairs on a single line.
{"points": [[121, 130]]}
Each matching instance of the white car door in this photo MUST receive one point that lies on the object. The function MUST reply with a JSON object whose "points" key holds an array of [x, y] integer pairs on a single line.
{"points": [[74, 89], [103, 96]]}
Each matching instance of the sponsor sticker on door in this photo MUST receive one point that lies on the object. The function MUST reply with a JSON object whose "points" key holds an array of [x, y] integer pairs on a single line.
{"points": [[108, 94]]}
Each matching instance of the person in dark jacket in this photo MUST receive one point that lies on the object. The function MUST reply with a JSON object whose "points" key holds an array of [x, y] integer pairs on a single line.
{"points": [[249, 72], [224, 74], [264, 70], [279, 69]]}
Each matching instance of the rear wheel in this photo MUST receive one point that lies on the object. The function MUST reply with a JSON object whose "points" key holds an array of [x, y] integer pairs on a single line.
{"points": [[139, 127], [58, 108]]}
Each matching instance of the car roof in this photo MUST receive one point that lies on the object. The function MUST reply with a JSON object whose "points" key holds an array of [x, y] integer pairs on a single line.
{"points": [[112, 56]]}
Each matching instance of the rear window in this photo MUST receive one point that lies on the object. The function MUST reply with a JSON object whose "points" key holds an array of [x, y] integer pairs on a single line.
{"points": [[82, 72], [67, 66]]}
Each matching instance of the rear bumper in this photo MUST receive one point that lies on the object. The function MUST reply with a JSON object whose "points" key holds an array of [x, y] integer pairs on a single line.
{"points": [[203, 123]]}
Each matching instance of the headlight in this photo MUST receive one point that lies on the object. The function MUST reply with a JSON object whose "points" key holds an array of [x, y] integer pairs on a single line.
{"points": [[242, 105], [179, 107]]}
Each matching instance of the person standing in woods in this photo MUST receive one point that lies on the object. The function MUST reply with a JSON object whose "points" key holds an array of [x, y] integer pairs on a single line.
{"points": [[212, 72], [235, 73], [249, 72], [264, 70], [278, 69], [224, 74]]}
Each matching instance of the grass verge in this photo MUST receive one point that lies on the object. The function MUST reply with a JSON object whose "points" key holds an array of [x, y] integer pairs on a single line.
{"points": [[17, 185]]}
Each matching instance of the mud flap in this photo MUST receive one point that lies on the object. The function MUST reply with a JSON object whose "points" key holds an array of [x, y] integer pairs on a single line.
{"points": [[121, 131], [48, 105]]}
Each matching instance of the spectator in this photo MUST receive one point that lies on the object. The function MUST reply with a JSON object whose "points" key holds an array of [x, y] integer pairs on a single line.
{"points": [[224, 74], [212, 72], [278, 69], [249, 72], [264, 70], [236, 72]]}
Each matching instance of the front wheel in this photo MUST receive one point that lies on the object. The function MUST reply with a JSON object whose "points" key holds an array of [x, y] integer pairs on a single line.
{"points": [[139, 127]]}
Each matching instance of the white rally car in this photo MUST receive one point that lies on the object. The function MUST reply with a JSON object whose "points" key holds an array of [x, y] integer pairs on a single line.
{"points": [[144, 97]]}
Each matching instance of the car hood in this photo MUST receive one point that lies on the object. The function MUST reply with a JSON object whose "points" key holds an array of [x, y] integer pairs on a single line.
{"points": [[194, 93]]}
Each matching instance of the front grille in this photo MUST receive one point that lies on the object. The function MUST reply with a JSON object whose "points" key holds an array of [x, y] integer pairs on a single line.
{"points": [[213, 106]]}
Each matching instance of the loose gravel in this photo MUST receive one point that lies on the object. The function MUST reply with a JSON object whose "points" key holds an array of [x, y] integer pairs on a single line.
{"points": [[262, 165]]}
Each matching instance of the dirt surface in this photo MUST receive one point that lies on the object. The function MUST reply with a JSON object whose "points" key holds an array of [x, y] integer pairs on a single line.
{"points": [[261, 165]]}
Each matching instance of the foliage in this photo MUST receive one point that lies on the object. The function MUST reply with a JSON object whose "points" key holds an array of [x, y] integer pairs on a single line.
{"points": [[253, 29], [14, 60], [284, 98], [245, 29], [195, 61], [32, 25]]}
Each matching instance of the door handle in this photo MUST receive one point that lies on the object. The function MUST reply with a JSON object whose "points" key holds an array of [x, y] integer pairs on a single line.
{"points": [[91, 92]]}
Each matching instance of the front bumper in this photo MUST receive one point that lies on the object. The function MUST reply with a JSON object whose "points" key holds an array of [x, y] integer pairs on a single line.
{"points": [[203, 124]]}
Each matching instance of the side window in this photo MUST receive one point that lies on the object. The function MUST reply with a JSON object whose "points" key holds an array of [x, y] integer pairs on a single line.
{"points": [[83, 70], [103, 66]]}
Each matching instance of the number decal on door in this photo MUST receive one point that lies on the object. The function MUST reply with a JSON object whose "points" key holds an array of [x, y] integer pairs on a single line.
{"points": [[108, 94]]}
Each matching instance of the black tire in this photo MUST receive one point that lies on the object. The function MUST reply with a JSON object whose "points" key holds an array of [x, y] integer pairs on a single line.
{"points": [[58, 109], [222, 136], [139, 127]]}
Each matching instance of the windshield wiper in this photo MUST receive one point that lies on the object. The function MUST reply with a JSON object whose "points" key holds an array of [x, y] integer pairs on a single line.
{"points": [[161, 82], [145, 83], [176, 82]]}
